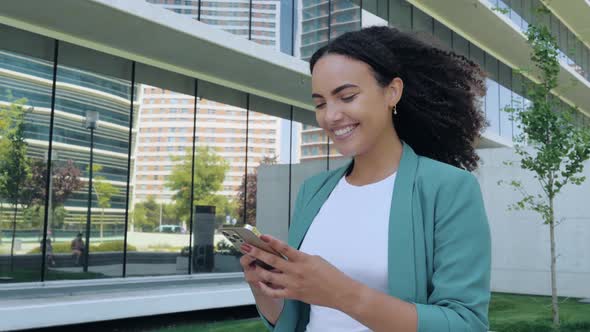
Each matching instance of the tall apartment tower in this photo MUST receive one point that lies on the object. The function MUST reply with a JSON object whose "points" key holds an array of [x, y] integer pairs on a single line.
{"points": [[166, 119], [234, 16], [166, 129], [320, 21]]}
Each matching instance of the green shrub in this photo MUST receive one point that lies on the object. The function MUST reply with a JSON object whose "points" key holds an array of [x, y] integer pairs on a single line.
{"points": [[65, 247], [112, 246]]}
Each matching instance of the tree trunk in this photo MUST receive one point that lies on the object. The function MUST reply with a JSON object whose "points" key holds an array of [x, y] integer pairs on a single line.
{"points": [[13, 236], [554, 302]]}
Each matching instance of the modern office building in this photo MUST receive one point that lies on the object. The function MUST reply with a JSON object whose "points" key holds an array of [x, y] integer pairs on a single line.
{"points": [[262, 27], [221, 126], [166, 130], [29, 80], [64, 65]]}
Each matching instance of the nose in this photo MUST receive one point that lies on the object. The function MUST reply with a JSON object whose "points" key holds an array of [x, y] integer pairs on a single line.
{"points": [[333, 114]]}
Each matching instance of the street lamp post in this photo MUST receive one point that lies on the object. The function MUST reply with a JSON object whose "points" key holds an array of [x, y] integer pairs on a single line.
{"points": [[90, 123]]}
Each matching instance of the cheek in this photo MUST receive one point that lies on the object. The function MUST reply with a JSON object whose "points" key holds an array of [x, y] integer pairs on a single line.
{"points": [[319, 117]]}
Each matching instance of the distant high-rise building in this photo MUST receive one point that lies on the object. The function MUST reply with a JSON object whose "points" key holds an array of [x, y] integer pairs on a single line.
{"points": [[166, 131], [319, 22], [234, 16], [166, 117], [28, 80]]}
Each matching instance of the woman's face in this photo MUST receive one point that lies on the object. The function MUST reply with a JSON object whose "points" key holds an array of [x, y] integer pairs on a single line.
{"points": [[351, 107]]}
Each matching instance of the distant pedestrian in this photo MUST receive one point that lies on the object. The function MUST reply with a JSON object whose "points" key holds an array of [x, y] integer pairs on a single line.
{"points": [[78, 248]]}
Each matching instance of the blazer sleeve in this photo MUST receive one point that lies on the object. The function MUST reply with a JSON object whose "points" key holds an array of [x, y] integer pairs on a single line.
{"points": [[460, 288], [281, 322]]}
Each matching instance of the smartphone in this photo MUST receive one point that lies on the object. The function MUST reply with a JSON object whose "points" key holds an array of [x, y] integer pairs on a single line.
{"points": [[238, 235]]}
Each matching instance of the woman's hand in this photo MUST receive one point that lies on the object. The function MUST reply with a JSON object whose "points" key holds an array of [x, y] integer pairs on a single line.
{"points": [[303, 277], [250, 268]]}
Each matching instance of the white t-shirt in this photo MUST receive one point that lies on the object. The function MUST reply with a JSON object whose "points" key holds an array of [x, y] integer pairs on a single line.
{"points": [[351, 232]]}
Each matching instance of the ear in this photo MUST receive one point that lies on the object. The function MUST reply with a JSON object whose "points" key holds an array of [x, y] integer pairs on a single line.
{"points": [[394, 91]]}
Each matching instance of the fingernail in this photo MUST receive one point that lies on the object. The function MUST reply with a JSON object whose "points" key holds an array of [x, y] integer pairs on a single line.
{"points": [[265, 238], [246, 247]]}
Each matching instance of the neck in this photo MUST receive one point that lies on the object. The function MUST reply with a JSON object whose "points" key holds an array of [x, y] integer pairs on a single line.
{"points": [[379, 162]]}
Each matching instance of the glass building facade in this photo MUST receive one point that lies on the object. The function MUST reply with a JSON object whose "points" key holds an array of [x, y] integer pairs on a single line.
{"points": [[173, 157]]}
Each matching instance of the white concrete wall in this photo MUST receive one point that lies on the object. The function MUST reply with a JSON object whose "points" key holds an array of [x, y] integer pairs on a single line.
{"points": [[520, 242]]}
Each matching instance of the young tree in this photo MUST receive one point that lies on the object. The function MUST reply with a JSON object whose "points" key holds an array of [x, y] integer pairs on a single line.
{"points": [[210, 170], [146, 215], [66, 181], [551, 145], [14, 163], [104, 192], [250, 193]]}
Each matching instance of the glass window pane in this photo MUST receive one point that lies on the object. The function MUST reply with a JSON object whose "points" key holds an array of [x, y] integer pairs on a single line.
{"points": [[163, 164], [505, 101], [460, 45], [492, 105], [267, 194], [220, 167], [25, 110], [346, 16], [443, 34], [91, 142], [400, 13], [233, 17], [476, 54], [310, 141], [314, 28], [421, 21]]}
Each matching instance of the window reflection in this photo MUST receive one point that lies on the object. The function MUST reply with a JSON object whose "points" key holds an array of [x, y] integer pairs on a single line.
{"points": [[160, 214], [25, 110], [91, 132]]}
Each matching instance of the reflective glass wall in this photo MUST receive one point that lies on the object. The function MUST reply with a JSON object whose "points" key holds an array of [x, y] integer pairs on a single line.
{"points": [[122, 169], [143, 166]]}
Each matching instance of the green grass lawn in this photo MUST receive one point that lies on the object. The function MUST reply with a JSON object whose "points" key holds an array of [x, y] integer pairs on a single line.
{"points": [[245, 325], [508, 313], [526, 313]]}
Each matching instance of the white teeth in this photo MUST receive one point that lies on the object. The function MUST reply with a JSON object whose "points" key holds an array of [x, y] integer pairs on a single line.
{"points": [[344, 131]]}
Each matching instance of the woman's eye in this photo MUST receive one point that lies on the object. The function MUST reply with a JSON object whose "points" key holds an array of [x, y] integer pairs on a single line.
{"points": [[318, 106], [349, 98]]}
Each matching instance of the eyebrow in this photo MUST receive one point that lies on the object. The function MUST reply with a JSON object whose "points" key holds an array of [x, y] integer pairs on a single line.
{"points": [[335, 91]]}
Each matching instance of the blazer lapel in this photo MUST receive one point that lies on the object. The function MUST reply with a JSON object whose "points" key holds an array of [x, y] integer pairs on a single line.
{"points": [[401, 255]]}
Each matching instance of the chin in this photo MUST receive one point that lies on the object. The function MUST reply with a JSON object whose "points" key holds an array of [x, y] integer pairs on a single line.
{"points": [[349, 153]]}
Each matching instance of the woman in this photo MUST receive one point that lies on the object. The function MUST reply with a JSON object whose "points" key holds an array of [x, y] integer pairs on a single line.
{"points": [[398, 240]]}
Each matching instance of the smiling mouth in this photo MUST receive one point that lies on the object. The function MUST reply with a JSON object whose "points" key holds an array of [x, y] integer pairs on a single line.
{"points": [[345, 132]]}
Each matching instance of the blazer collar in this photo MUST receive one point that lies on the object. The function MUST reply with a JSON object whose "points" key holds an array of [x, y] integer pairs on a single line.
{"points": [[401, 272]]}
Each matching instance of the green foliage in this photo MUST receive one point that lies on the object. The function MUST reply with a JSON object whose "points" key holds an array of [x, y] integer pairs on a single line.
{"points": [[209, 173], [251, 193], [65, 247], [104, 190], [147, 214], [15, 166], [225, 248], [112, 246], [551, 146]]}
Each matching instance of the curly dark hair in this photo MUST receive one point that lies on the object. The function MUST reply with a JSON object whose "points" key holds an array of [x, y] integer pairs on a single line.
{"points": [[439, 114]]}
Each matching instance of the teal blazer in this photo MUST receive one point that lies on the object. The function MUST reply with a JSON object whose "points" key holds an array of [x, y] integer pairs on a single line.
{"points": [[439, 255]]}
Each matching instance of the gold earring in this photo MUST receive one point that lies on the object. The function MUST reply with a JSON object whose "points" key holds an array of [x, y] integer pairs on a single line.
{"points": [[395, 110]]}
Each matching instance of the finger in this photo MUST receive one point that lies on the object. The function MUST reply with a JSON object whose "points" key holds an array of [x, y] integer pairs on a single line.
{"points": [[270, 292], [283, 248], [246, 261], [273, 260], [277, 279]]}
